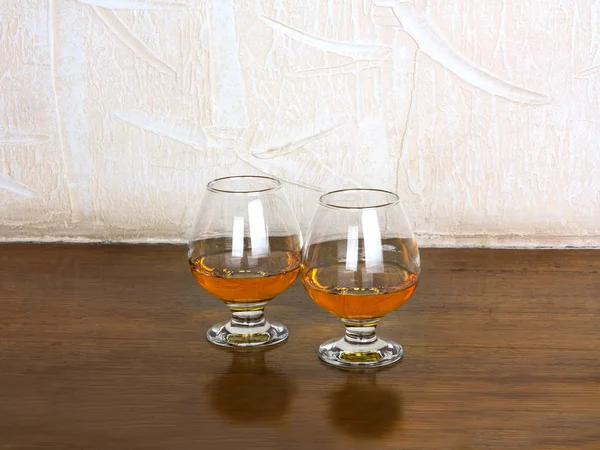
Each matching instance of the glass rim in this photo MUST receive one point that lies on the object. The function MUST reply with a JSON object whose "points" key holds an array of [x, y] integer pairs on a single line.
{"points": [[211, 184], [326, 204]]}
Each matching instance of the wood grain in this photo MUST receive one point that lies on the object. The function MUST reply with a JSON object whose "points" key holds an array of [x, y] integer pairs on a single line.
{"points": [[102, 347]]}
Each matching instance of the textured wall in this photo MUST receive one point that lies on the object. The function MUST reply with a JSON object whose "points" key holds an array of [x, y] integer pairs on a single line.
{"points": [[483, 115]]}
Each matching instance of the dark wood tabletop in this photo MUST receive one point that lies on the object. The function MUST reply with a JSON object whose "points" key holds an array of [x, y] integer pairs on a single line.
{"points": [[103, 347]]}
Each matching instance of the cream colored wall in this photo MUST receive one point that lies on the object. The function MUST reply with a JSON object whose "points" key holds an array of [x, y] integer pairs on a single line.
{"points": [[483, 115]]}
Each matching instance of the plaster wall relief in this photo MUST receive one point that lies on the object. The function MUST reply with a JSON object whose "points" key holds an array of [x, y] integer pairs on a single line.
{"points": [[483, 115]]}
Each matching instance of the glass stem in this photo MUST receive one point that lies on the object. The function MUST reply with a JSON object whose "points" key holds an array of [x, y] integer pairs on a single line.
{"points": [[360, 332], [247, 315]]}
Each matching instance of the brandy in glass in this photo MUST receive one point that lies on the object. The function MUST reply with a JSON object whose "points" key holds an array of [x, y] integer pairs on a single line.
{"points": [[245, 249], [360, 262]]}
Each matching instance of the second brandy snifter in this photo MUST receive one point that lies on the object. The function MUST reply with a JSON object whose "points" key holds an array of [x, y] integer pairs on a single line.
{"points": [[245, 249], [360, 262]]}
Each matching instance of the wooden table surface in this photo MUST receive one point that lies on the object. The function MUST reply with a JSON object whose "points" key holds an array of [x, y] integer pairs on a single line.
{"points": [[103, 347]]}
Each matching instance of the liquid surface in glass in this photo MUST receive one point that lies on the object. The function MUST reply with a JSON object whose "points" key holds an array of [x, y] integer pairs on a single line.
{"points": [[358, 293], [246, 279]]}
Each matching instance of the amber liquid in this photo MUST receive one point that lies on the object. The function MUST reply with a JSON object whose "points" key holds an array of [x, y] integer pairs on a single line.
{"points": [[358, 294], [246, 280]]}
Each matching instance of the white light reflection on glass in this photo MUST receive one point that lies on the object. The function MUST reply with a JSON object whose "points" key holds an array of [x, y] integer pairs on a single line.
{"points": [[352, 248], [237, 245], [258, 230], [372, 242]]}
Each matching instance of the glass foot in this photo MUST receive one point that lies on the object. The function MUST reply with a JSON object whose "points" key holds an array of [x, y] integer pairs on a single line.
{"points": [[226, 334], [379, 353]]}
